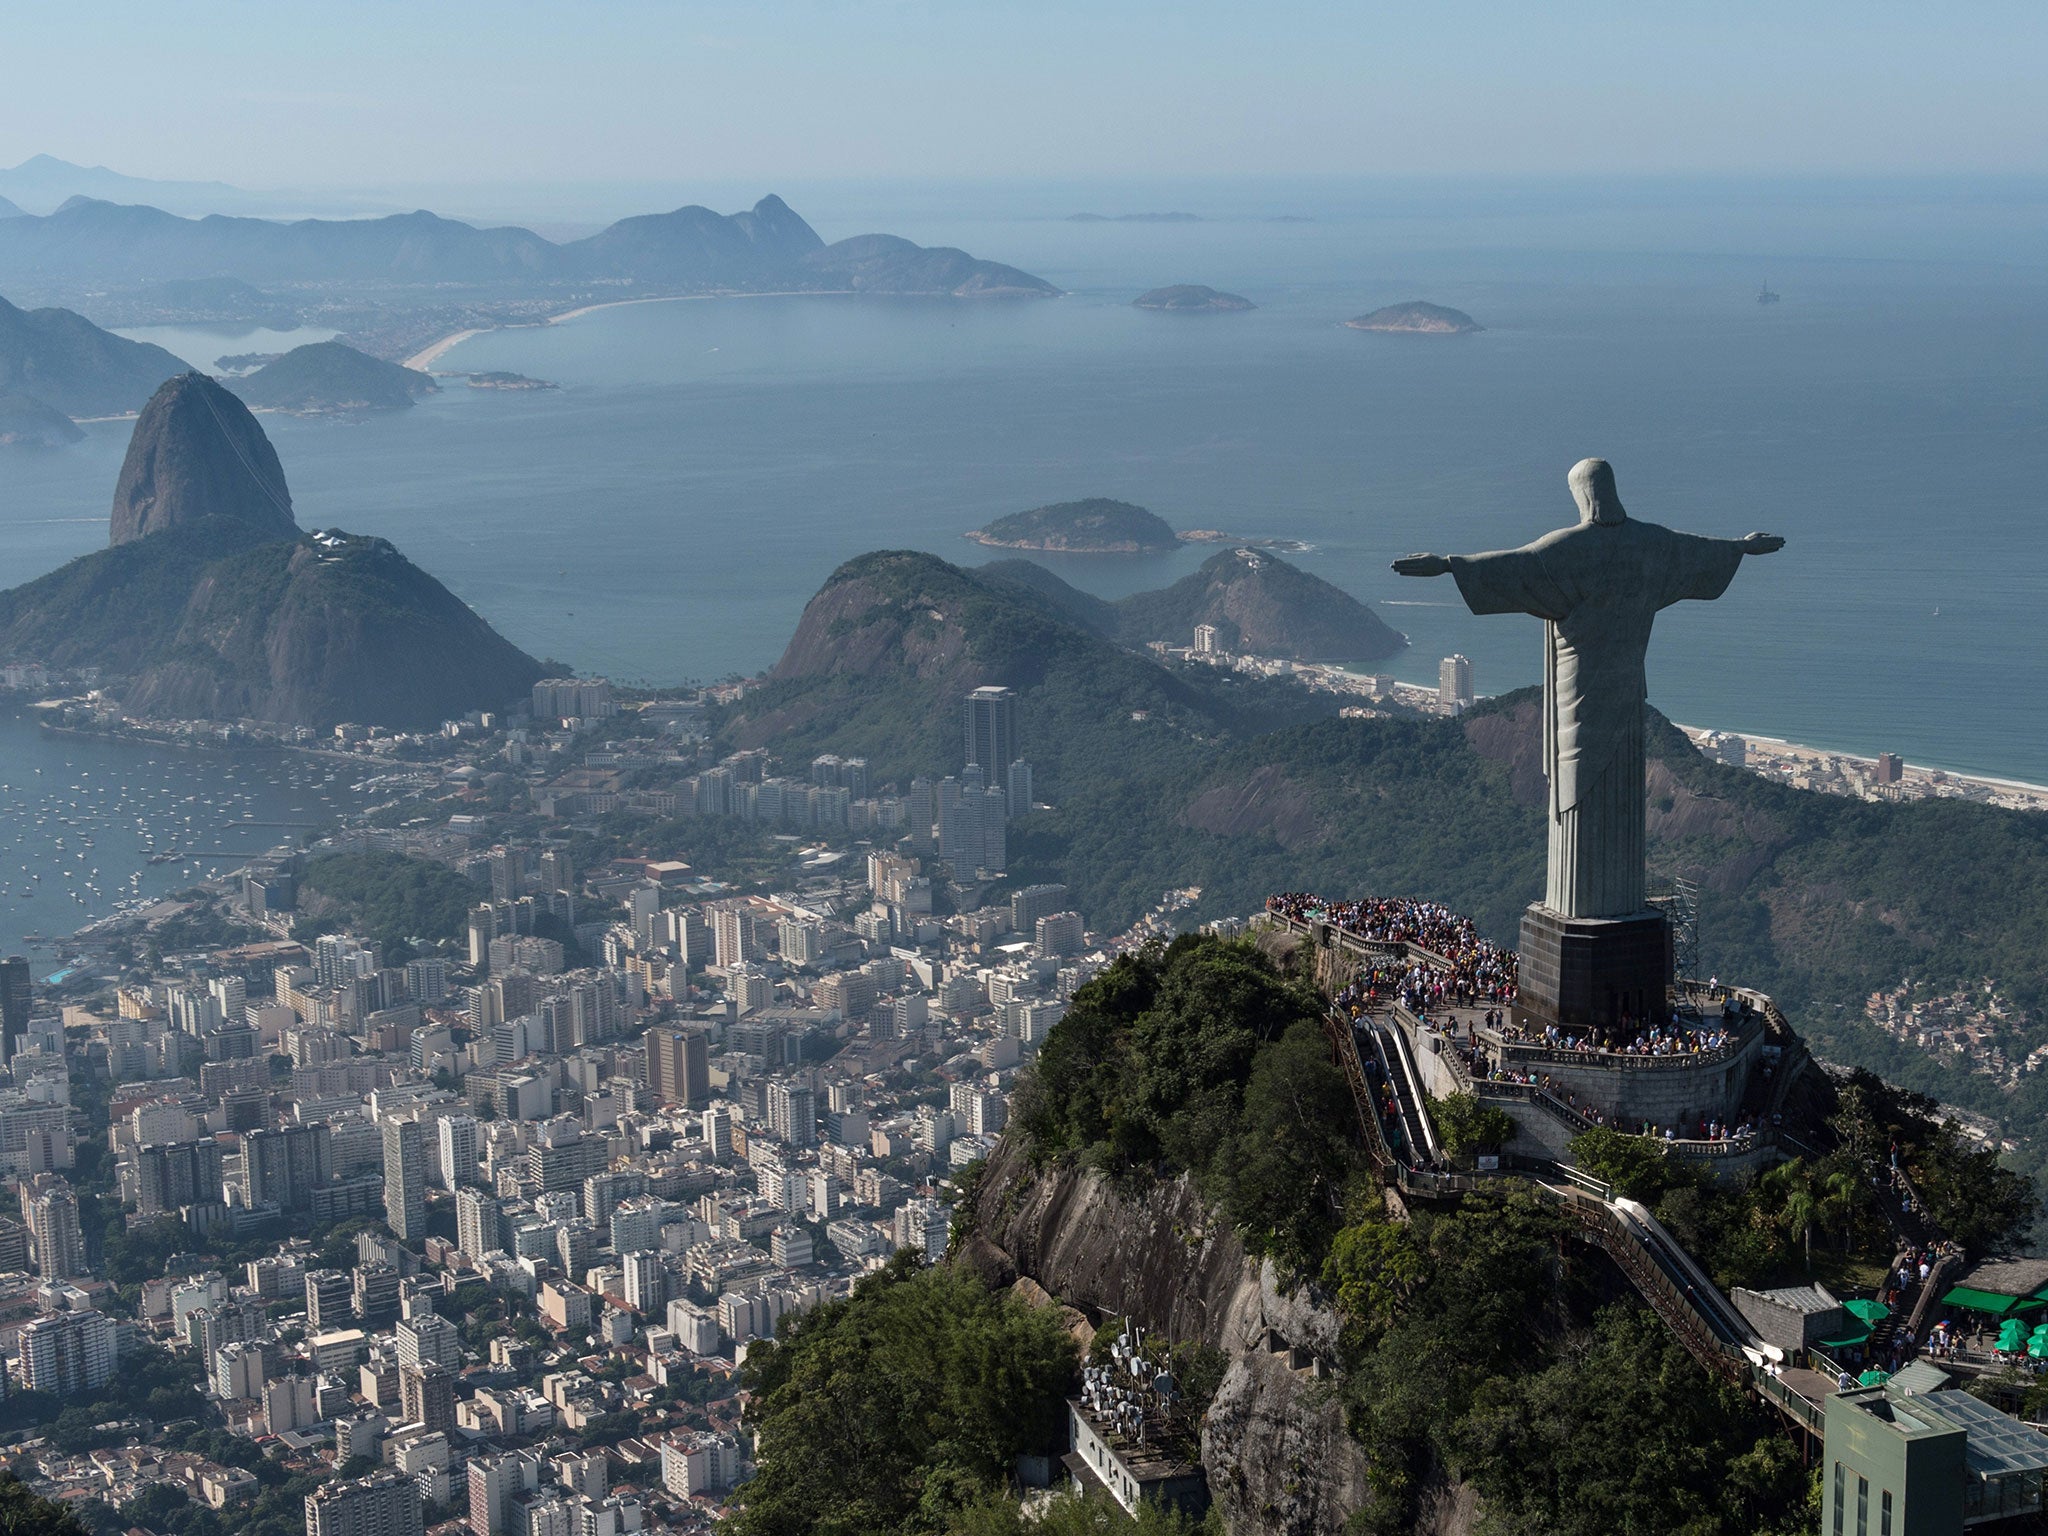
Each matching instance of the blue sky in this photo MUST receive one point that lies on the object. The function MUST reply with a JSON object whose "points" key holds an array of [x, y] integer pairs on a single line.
{"points": [[367, 93]]}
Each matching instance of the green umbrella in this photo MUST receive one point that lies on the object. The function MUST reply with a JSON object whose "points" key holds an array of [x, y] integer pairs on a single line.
{"points": [[1874, 1377], [2011, 1334], [1869, 1311], [2038, 1348]]}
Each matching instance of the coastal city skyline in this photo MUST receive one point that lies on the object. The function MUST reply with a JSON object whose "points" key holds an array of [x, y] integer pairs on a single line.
{"points": [[895, 769]]}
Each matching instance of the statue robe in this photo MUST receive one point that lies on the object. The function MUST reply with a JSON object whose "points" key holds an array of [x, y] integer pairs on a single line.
{"points": [[1597, 587]]}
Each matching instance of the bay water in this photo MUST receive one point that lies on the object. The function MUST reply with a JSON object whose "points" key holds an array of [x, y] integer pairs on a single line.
{"points": [[664, 515]]}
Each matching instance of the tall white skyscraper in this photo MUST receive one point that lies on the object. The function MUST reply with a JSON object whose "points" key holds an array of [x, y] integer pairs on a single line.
{"points": [[1454, 684], [458, 1150], [476, 1222], [51, 1209], [67, 1353]]}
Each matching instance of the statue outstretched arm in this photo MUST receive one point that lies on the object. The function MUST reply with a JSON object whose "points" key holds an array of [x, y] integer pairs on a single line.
{"points": [[1423, 565], [1761, 544]]}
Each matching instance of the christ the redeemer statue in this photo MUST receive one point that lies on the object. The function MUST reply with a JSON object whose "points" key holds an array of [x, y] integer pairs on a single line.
{"points": [[1598, 588]]}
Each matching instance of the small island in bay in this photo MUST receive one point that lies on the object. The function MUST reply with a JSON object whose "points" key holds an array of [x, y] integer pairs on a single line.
{"points": [[1418, 319], [1096, 526], [1192, 299], [508, 381], [1134, 218]]}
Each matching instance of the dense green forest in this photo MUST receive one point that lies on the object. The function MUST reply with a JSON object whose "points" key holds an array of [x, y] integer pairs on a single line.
{"points": [[1201, 1055], [902, 1408], [390, 897]]}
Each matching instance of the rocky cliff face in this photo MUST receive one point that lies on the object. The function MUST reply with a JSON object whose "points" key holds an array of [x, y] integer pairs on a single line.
{"points": [[196, 453], [1274, 1443]]}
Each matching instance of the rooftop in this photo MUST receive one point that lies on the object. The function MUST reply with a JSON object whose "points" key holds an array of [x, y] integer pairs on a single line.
{"points": [[2008, 1277]]}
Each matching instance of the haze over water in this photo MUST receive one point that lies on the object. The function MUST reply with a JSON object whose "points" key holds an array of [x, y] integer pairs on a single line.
{"points": [[706, 464]]}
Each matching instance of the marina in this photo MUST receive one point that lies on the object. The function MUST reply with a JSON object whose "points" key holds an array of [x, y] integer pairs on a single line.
{"points": [[98, 829]]}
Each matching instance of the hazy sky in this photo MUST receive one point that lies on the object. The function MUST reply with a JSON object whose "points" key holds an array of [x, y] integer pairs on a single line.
{"points": [[361, 93]]}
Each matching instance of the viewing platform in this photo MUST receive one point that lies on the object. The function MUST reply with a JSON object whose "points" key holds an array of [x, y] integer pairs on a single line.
{"points": [[1709, 1080]]}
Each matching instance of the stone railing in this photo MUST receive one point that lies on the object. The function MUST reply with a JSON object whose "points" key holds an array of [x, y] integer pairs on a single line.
{"points": [[1523, 1052]]}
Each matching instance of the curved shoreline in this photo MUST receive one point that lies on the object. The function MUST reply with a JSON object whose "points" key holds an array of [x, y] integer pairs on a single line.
{"points": [[432, 353]]}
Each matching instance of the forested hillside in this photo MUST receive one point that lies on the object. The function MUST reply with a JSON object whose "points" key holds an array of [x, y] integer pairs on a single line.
{"points": [[1164, 778]]}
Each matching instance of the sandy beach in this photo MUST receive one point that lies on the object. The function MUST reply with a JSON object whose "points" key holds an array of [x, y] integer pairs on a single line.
{"points": [[1779, 746], [427, 356]]}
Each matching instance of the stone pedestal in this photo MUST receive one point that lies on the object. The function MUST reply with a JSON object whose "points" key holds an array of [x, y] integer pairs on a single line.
{"points": [[1592, 972]]}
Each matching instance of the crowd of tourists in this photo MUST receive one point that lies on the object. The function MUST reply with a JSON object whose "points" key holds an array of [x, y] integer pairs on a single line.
{"points": [[1473, 969], [1631, 1037]]}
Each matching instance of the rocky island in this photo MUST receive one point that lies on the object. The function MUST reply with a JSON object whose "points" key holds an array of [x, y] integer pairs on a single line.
{"points": [[1096, 526], [1418, 319], [513, 381], [1192, 299], [328, 376]]}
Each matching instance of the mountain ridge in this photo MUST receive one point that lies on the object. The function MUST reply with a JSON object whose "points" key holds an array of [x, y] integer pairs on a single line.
{"points": [[63, 360], [693, 248]]}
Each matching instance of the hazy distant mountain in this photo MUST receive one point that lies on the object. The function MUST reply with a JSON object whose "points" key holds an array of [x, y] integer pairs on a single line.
{"points": [[11, 211], [689, 250], [67, 362], [25, 422], [696, 246], [328, 376], [44, 182]]}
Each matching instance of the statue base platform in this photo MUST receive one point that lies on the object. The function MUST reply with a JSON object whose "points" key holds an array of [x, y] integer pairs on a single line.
{"points": [[1591, 972]]}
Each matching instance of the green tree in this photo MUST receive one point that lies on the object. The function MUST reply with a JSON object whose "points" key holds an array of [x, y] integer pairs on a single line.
{"points": [[900, 1406], [1634, 1165], [1467, 1126]]}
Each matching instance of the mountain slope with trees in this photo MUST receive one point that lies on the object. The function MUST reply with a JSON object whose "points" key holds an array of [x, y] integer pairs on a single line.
{"points": [[1164, 777]]}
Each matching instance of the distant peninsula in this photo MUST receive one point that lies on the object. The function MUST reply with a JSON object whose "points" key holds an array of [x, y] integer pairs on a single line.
{"points": [[1192, 299], [1134, 218], [1096, 526], [329, 376], [25, 422], [1417, 318]]}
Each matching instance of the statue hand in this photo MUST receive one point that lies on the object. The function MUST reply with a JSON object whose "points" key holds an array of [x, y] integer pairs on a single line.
{"points": [[1762, 544], [1422, 565]]}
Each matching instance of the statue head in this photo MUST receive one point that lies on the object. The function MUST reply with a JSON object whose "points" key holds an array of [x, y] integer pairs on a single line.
{"points": [[1592, 482]]}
